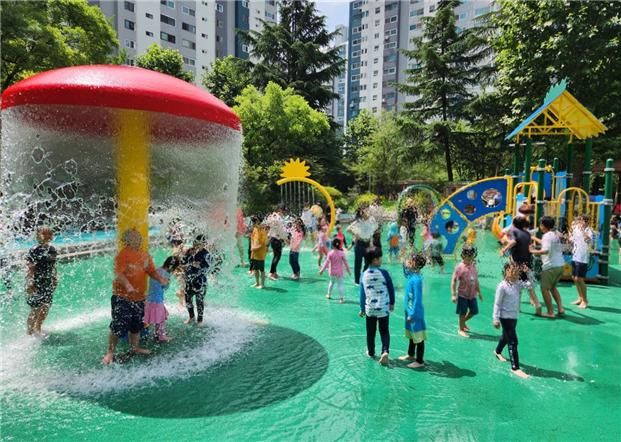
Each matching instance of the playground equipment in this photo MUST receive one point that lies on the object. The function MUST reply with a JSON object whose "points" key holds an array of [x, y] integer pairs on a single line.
{"points": [[550, 188], [298, 190], [106, 146]]}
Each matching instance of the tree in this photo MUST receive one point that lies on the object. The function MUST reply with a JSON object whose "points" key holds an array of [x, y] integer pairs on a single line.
{"points": [[381, 156], [447, 68], [47, 34], [278, 125], [358, 135], [541, 42], [295, 53], [228, 77], [166, 61]]}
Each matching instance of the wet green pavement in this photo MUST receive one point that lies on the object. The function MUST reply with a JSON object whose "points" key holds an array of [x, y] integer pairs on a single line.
{"points": [[284, 363]]}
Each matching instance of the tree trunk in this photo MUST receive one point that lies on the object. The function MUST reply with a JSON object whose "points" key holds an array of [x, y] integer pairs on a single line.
{"points": [[447, 155]]}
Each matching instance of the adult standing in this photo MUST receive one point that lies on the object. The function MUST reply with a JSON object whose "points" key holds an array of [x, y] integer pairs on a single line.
{"points": [[518, 244], [131, 267], [363, 229], [277, 237]]}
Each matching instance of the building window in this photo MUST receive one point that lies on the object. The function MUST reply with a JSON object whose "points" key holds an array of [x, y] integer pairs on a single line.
{"points": [[390, 71], [188, 11], [392, 6], [219, 7], [149, 15], [417, 12], [374, 97], [375, 48], [129, 6], [390, 32], [377, 23], [377, 10], [375, 73], [168, 37], [149, 33], [169, 3], [167, 20], [363, 99], [355, 42], [375, 60], [204, 35], [218, 38], [374, 85], [415, 26], [189, 61], [244, 4], [390, 45], [355, 54], [220, 23], [392, 19], [130, 44], [376, 35], [355, 77], [245, 48], [129, 25], [374, 110], [130, 62], [188, 44], [188, 27]]}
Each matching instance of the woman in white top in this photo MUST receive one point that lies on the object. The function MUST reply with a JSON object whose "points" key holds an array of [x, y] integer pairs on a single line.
{"points": [[363, 228]]}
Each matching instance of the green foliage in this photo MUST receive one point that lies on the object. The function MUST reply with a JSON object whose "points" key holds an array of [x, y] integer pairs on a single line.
{"points": [[295, 53], [228, 77], [337, 196], [447, 66], [278, 124], [364, 200], [166, 61], [357, 135], [48, 34], [541, 42]]}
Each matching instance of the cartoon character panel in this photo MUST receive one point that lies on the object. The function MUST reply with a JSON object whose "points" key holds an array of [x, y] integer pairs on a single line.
{"points": [[449, 224], [481, 198]]}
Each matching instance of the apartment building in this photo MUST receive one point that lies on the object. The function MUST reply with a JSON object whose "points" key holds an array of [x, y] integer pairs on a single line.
{"points": [[338, 107], [377, 30], [202, 30]]}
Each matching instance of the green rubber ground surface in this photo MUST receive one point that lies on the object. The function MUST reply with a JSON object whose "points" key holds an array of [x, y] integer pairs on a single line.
{"points": [[300, 372]]}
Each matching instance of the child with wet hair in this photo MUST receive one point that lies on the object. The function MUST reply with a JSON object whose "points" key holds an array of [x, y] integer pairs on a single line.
{"points": [[465, 289], [335, 262], [155, 311], [42, 279], [415, 327]]}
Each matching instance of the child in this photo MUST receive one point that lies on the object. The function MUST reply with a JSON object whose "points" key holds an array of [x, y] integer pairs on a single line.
{"points": [[196, 263], [377, 300], [258, 245], [297, 235], [415, 327], [340, 235], [321, 247], [393, 241], [506, 311], [155, 312], [403, 234], [552, 261], [465, 293], [42, 279], [581, 238], [336, 260], [436, 249]]}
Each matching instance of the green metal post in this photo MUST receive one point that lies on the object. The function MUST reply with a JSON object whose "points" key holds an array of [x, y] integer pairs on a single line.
{"points": [[555, 168], [605, 228], [516, 163], [528, 157], [541, 168], [586, 169], [570, 164]]}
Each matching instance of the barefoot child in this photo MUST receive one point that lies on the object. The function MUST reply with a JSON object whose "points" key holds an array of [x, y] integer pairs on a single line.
{"points": [[131, 267], [258, 247], [465, 289], [196, 263], [155, 311], [42, 279], [393, 241], [506, 311], [377, 300], [321, 246], [415, 327], [297, 235], [335, 261], [581, 238]]}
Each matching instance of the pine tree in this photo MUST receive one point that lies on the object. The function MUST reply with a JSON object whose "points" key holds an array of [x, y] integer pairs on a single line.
{"points": [[447, 65], [295, 53]]}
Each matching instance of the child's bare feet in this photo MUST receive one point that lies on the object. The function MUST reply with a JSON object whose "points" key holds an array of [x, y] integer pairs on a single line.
{"points": [[141, 351], [416, 365], [466, 328], [583, 305], [500, 357], [188, 321], [520, 373], [342, 301], [255, 285], [577, 302], [384, 359], [463, 333], [259, 286], [108, 358], [328, 296], [548, 315], [406, 358]]}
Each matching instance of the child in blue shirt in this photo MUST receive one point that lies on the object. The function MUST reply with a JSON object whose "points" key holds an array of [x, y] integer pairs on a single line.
{"points": [[377, 300], [415, 327], [155, 310]]}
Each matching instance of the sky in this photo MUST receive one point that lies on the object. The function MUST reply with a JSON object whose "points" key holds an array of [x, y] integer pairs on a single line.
{"points": [[336, 12]]}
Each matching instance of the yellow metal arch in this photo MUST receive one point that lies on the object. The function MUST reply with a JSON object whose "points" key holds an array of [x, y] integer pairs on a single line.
{"points": [[296, 170]]}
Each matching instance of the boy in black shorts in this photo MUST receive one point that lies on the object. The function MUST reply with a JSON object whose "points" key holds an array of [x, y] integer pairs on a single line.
{"points": [[41, 278]]}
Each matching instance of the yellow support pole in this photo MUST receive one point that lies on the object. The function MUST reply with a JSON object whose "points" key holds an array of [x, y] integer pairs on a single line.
{"points": [[133, 167]]}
